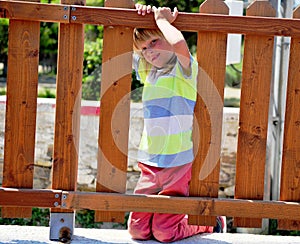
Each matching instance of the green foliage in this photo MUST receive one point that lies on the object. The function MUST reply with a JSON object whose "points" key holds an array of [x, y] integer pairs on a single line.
{"points": [[136, 88], [233, 75], [3, 43], [48, 45], [3, 36], [85, 219], [47, 93], [232, 102], [40, 217], [273, 230], [98, 3], [48, 38], [2, 91], [92, 69]]}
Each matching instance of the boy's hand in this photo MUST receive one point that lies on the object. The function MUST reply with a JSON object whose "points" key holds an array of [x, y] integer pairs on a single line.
{"points": [[165, 13], [143, 9]]}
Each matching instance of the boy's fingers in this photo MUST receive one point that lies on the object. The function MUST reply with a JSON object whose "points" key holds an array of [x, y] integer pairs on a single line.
{"points": [[138, 7], [175, 12], [154, 8], [144, 9], [149, 9]]}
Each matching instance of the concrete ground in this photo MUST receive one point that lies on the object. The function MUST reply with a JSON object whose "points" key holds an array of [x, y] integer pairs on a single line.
{"points": [[40, 235]]}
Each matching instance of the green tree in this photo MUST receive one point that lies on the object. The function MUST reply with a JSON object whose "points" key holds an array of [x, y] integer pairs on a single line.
{"points": [[3, 44], [48, 46]]}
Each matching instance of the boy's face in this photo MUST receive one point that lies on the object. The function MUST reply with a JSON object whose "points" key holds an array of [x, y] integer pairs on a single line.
{"points": [[157, 51]]}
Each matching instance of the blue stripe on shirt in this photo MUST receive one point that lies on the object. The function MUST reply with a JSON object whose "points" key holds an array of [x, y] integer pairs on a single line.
{"points": [[164, 107], [166, 161]]}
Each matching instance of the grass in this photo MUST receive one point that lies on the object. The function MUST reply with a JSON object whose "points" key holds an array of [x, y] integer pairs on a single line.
{"points": [[41, 217]]}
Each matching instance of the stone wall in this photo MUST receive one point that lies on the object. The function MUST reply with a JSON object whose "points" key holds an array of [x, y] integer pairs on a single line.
{"points": [[88, 145]]}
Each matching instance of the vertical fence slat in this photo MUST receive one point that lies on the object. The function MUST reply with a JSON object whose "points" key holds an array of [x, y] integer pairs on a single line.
{"points": [[115, 110], [254, 107], [211, 55], [290, 171], [68, 101], [20, 121]]}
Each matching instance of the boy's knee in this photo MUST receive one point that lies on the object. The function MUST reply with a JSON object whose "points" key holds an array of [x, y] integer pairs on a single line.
{"points": [[163, 236], [137, 232], [161, 229]]}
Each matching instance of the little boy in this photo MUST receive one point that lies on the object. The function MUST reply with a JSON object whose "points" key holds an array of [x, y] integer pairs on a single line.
{"points": [[169, 74]]}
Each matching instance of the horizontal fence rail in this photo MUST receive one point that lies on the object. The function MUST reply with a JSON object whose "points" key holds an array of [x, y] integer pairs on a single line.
{"points": [[149, 203], [257, 25]]}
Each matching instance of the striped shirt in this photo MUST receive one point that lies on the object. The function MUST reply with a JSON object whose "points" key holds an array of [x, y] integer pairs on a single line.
{"points": [[168, 104]]}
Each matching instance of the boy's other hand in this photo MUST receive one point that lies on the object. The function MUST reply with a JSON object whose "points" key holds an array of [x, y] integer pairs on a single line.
{"points": [[165, 13], [143, 9]]}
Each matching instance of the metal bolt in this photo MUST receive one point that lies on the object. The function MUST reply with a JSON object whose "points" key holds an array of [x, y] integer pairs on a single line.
{"points": [[73, 9], [56, 195], [55, 204], [65, 16], [64, 197], [65, 8], [64, 205], [73, 17]]}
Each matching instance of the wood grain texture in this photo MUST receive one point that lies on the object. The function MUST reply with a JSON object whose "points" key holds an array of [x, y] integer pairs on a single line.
{"points": [[179, 205], [253, 121], [68, 102], [19, 10], [207, 133], [290, 169], [257, 25], [30, 197], [143, 203], [20, 120], [115, 111]]}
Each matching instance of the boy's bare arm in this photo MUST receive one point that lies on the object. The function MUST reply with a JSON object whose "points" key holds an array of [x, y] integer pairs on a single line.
{"points": [[164, 18]]}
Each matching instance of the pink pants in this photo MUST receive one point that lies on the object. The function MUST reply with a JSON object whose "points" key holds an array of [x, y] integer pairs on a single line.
{"points": [[163, 227]]}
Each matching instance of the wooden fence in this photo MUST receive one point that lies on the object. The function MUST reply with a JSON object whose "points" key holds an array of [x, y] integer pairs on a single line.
{"points": [[259, 28]]}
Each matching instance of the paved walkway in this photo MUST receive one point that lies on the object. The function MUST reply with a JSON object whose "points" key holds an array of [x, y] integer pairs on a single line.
{"points": [[40, 235]]}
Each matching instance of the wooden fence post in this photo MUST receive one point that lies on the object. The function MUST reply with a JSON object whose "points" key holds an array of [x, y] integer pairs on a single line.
{"points": [[21, 104], [254, 108], [290, 171], [67, 120], [115, 110], [211, 55]]}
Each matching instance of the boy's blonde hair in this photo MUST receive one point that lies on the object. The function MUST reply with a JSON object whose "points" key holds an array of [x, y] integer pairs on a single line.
{"points": [[141, 35]]}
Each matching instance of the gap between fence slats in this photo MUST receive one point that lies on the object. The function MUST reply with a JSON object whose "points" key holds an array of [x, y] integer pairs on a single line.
{"points": [[254, 108]]}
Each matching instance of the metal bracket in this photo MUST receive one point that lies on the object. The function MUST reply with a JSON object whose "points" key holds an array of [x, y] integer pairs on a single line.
{"points": [[62, 226]]}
